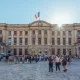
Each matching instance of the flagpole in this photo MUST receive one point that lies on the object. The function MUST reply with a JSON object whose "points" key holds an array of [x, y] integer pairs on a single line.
{"points": [[39, 17]]}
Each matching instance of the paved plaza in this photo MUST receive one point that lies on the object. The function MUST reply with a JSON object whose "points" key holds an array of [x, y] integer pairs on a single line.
{"points": [[38, 71]]}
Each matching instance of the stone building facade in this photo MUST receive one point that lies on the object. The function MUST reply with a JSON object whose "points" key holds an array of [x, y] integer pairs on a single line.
{"points": [[39, 37]]}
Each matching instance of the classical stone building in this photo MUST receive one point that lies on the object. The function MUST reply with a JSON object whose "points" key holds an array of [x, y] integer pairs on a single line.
{"points": [[39, 37]]}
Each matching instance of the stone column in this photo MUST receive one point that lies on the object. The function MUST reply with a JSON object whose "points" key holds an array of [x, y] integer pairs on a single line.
{"points": [[66, 37], [42, 37], [77, 51], [6, 37], [12, 40], [73, 37], [30, 37], [49, 37], [3, 34], [36, 40], [23, 51], [75, 33], [23, 37], [55, 51], [67, 51], [17, 37], [55, 37]]}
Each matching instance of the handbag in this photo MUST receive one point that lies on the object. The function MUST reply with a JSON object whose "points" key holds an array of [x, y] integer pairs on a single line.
{"points": [[59, 63]]}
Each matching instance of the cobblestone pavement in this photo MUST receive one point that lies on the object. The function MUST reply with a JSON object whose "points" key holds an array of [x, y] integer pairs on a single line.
{"points": [[38, 71]]}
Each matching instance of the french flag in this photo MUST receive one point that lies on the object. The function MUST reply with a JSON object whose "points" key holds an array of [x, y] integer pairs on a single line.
{"points": [[37, 15]]}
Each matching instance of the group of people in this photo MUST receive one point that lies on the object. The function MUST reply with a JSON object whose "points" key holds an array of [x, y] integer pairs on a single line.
{"points": [[59, 60], [17, 59], [23, 58]]}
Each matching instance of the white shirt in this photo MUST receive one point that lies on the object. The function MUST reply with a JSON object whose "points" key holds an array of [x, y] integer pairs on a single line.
{"points": [[57, 59]]}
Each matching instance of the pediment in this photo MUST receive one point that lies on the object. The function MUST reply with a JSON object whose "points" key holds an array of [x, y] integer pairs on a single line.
{"points": [[40, 23]]}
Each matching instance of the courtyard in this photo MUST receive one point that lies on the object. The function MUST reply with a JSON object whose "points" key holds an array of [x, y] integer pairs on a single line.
{"points": [[38, 71]]}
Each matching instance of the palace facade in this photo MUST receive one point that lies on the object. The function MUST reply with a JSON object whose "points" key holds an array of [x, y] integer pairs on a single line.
{"points": [[39, 37]]}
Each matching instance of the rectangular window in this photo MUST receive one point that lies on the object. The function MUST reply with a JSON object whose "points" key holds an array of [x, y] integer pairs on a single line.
{"points": [[78, 32], [9, 41], [0, 31], [64, 33], [45, 31], [64, 51], [58, 33], [33, 32], [78, 39], [39, 41], [15, 41], [26, 32], [26, 41], [39, 32], [20, 51], [20, 41], [69, 33], [52, 32], [15, 33], [58, 41], [0, 39], [33, 41], [64, 41], [26, 52], [58, 51], [70, 51], [9, 33], [15, 51], [45, 40], [53, 42], [69, 41], [20, 33]]}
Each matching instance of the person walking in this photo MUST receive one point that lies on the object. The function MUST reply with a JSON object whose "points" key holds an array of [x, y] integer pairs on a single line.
{"points": [[7, 58], [69, 59], [30, 59], [58, 63], [50, 64], [10, 59], [64, 63]]}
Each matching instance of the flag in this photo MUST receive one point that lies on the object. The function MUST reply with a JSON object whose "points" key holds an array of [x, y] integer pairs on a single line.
{"points": [[37, 15]]}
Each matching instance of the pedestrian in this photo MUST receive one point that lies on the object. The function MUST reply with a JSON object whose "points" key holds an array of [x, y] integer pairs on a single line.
{"points": [[58, 63], [30, 60], [50, 64], [15, 59], [36, 59], [23, 59], [7, 58], [64, 63], [26, 58], [69, 60], [10, 59], [18, 59]]}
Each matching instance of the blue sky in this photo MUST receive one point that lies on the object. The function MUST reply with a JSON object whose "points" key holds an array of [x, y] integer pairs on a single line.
{"points": [[53, 11]]}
